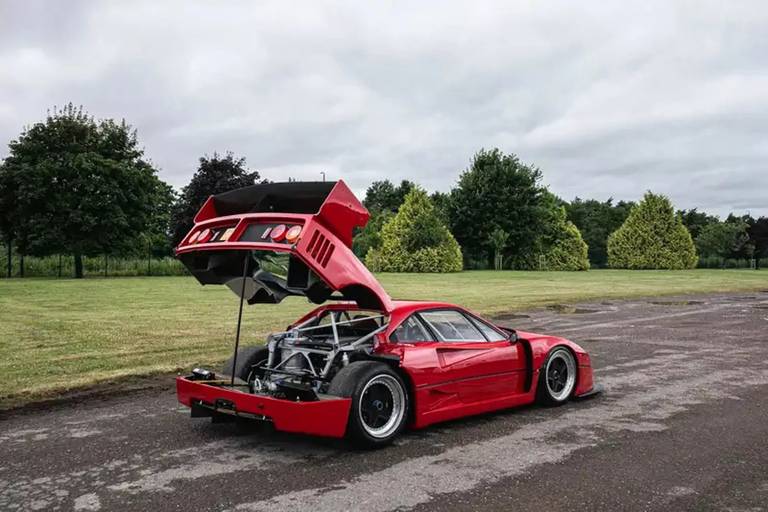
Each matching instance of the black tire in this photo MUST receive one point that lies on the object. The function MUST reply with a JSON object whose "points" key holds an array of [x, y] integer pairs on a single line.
{"points": [[557, 377], [378, 393], [246, 358]]}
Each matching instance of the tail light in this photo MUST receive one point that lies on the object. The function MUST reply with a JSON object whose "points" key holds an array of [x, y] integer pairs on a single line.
{"points": [[204, 236], [278, 233], [293, 234], [193, 238]]}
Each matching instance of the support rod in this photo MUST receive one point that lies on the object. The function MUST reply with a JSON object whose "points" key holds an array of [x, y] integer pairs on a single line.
{"points": [[240, 316]]}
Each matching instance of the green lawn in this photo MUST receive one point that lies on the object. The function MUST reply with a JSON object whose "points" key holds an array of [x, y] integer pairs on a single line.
{"points": [[57, 335]]}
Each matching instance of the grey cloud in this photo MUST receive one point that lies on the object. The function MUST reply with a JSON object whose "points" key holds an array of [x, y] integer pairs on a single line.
{"points": [[607, 99]]}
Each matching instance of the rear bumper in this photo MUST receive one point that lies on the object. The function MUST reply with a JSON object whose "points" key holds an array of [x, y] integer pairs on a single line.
{"points": [[326, 417]]}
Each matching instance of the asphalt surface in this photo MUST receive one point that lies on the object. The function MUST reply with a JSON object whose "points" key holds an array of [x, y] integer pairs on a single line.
{"points": [[683, 425]]}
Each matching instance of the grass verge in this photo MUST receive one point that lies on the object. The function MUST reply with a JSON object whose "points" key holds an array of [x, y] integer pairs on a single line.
{"points": [[63, 335]]}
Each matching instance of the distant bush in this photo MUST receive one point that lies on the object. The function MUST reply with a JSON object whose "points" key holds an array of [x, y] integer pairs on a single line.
{"points": [[415, 240], [652, 237], [719, 262]]}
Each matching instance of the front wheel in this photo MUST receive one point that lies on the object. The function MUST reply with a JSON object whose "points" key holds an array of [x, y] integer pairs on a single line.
{"points": [[379, 402], [557, 378]]}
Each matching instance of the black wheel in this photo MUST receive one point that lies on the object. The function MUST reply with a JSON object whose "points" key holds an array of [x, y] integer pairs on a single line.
{"points": [[557, 378], [379, 402], [247, 358]]}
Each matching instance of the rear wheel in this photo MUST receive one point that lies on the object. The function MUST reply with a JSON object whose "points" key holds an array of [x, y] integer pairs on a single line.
{"points": [[557, 379], [247, 359], [245, 368], [379, 402]]}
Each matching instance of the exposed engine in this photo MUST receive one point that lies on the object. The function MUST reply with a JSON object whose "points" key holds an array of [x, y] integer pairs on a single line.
{"points": [[303, 360]]}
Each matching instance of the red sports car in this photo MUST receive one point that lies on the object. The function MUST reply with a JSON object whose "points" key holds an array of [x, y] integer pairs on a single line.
{"points": [[364, 366]]}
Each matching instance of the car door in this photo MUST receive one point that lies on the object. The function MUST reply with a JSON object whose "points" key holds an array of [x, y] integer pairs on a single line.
{"points": [[482, 363]]}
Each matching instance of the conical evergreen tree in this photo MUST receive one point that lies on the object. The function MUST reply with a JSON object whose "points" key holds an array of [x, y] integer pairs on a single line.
{"points": [[566, 249], [652, 237], [416, 240]]}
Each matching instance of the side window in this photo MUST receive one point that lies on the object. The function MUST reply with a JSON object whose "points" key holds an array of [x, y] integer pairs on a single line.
{"points": [[452, 326], [490, 333], [410, 330]]}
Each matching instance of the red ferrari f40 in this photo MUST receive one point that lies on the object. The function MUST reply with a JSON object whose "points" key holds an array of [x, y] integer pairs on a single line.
{"points": [[360, 365]]}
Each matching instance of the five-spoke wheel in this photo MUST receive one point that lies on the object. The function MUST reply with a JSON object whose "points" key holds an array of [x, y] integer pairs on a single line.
{"points": [[557, 379], [379, 402]]}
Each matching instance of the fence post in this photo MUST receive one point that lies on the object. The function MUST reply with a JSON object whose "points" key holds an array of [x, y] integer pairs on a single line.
{"points": [[105, 264], [10, 255], [59, 266]]}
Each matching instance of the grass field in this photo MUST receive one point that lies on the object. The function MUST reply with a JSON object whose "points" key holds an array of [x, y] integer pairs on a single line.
{"points": [[58, 335]]}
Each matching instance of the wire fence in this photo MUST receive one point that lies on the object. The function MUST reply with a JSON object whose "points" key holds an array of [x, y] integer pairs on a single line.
{"points": [[64, 266]]}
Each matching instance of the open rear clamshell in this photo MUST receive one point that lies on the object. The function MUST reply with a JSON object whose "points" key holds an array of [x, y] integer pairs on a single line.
{"points": [[318, 264]]}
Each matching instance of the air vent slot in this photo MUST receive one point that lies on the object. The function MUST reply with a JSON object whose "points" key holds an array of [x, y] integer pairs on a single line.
{"points": [[320, 248]]}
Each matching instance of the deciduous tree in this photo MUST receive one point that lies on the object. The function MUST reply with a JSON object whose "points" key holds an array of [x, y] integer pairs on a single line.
{"points": [[498, 191], [596, 220], [214, 175], [722, 239], [80, 186]]}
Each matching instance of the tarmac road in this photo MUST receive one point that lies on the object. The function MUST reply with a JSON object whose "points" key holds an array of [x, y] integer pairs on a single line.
{"points": [[683, 425]]}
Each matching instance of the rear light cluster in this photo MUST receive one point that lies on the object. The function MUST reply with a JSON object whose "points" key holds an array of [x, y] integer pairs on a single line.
{"points": [[208, 235], [282, 233], [278, 234]]}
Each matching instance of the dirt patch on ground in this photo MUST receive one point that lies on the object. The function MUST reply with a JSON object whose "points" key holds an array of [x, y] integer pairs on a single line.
{"points": [[565, 309], [510, 316], [677, 302]]}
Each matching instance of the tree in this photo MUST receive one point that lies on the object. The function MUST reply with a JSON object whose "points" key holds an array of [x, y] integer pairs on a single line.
{"points": [[370, 236], [156, 239], [498, 239], [695, 221], [758, 237], [81, 186], [415, 240], [564, 248], [214, 175], [7, 214], [497, 191], [722, 239], [596, 220], [652, 237], [442, 201], [384, 196]]}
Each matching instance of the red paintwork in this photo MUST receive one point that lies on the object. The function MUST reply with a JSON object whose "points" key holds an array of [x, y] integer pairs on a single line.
{"points": [[445, 380], [337, 266], [326, 418]]}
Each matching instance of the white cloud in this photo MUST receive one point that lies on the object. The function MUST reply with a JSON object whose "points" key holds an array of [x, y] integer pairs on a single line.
{"points": [[607, 99]]}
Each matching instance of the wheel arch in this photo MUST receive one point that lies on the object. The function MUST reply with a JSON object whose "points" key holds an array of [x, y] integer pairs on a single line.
{"points": [[394, 362], [541, 358]]}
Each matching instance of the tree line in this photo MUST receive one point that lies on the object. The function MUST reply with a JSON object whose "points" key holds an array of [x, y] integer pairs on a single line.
{"points": [[503, 217], [81, 187], [72, 185]]}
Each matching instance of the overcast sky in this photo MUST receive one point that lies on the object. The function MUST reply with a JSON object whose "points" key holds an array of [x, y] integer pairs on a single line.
{"points": [[607, 98]]}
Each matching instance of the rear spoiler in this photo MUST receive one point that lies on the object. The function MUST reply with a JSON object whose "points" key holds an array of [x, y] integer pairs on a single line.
{"points": [[332, 204], [234, 231]]}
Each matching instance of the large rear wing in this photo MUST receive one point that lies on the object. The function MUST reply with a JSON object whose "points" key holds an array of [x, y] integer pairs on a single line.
{"points": [[331, 203], [311, 222]]}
